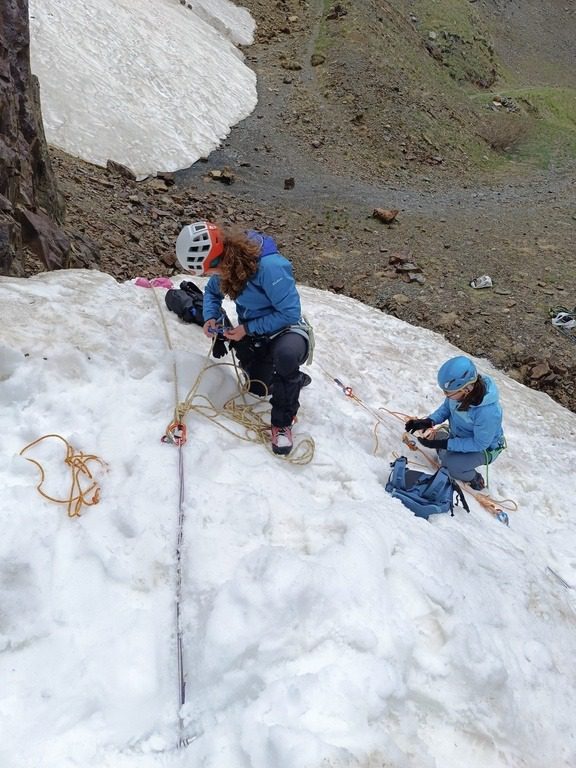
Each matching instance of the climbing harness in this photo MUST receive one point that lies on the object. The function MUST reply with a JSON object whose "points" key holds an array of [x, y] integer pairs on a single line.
{"points": [[77, 461], [303, 328], [491, 454]]}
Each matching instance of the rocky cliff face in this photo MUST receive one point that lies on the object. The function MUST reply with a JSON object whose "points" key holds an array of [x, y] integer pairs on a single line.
{"points": [[30, 207]]}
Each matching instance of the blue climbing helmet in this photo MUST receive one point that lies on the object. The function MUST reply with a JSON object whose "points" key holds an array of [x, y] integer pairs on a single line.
{"points": [[456, 373]]}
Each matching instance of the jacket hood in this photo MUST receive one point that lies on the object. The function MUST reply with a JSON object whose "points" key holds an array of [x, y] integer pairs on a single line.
{"points": [[267, 243], [491, 396]]}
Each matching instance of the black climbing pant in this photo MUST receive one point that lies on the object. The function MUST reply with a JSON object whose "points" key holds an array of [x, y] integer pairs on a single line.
{"points": [[273, 366]]}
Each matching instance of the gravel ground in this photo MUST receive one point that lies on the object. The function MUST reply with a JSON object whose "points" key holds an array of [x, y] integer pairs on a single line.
{"points": [[315, 160]]}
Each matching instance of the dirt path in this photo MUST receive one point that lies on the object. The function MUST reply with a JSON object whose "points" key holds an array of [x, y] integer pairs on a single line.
{"points": [[519, 229]]}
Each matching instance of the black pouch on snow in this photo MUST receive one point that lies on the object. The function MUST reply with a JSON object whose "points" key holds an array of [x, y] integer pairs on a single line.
{"points": [[186, 302]]}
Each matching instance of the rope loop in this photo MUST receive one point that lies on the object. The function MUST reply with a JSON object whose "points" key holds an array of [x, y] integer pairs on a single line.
{"points": [[240, 409], [78, 462]]}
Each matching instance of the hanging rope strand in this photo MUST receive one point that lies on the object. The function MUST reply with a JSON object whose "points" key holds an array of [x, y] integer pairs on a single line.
{"points": [[176, 434], [168, 343], [179, 629], [248, 415]]}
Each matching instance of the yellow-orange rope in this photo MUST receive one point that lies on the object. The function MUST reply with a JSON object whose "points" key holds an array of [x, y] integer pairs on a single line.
{"points": [[251, 416], [78, 463]]}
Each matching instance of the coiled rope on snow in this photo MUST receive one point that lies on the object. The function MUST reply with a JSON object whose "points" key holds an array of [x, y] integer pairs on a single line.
{"points": [[77, 461]]}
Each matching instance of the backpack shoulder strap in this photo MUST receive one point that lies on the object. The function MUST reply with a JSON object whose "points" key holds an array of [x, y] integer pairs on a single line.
{"points": [[191, 288], [435, 483], [397, 477], [438, 488], [460, 498]]}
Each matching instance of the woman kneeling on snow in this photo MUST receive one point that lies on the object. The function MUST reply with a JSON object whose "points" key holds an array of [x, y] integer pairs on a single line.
{"points": [[271, 340], [472, 409]]}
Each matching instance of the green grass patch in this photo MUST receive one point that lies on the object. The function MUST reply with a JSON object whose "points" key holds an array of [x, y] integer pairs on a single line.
{"points": [[322, 42], [543, 128], [454, 15], [456, 36]]}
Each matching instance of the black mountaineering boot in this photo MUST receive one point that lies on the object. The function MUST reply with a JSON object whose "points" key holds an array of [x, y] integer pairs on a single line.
{"points": [[477, 482]]}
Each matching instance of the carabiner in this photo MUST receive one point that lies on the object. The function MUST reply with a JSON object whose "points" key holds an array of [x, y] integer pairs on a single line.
{"points": [[410, 441], [175, 434]]}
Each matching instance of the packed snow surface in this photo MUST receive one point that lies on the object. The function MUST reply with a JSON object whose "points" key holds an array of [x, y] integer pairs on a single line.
{"points": [[322, 623], [151, 85]]}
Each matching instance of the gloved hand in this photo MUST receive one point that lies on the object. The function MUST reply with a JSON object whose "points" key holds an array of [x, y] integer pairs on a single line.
{"points": [[438, 444], [415, 425], [219, 348]]}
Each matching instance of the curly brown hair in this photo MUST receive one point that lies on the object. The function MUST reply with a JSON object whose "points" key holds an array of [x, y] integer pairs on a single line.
{"points": [[239, 261]]}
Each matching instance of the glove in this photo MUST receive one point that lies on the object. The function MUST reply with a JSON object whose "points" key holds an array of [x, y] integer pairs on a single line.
{"points": [[415, 425], [438, 444], [219, 349]]}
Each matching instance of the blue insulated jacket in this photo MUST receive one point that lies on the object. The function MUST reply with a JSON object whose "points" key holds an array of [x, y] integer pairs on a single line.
{"points": [[477, 429], [269, 301]]}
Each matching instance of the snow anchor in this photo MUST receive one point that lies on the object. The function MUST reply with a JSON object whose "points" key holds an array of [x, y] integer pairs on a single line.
{"points": [[348, 391]]}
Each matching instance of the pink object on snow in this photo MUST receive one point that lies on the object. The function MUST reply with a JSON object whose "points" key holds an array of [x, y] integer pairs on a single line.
{"points": [[156, 282]]}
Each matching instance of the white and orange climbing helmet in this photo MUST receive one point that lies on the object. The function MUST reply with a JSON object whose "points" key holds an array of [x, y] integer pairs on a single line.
{"points": [[199, 247]]}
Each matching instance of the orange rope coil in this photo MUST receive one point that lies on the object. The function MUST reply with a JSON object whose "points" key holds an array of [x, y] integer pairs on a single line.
{"points": [[78, 463]]}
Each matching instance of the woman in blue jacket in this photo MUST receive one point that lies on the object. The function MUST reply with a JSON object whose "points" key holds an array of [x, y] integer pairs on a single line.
{"points": [[270, 340], [472, 409]]}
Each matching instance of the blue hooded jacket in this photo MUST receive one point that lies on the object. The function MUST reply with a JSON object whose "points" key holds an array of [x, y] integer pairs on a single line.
{"points": [[477, 429], [269, 301]]}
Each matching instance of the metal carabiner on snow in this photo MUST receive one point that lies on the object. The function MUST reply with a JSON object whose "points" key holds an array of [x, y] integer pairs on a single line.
{"points": [[348, 391], [175, 434]]}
